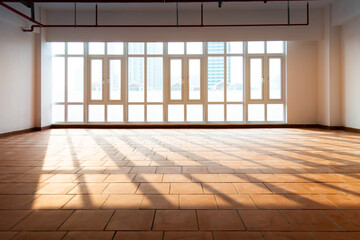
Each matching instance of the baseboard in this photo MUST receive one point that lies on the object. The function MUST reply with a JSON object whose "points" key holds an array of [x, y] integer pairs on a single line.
{"points": [[332, 127], [180, 126], [24, 131], [183, 126], [17, 132], [354, 130]]}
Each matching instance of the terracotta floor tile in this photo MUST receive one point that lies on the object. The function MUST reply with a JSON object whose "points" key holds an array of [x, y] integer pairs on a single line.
{"points": [[9, 218], [7, 235], [121, 188], [252, 188], [86, 202], [15, 201], [148, 178], [285, 188], [49, 202], [273, 202], [235, 202], [291, 178], [195, 170], [269, 178], [219, 188], [37, 178], [234, 178], [123, 202], [287, 236], [214, 178], [44, 220], [309, 220], [181, 178], [89, 188], [186, 188], [40, 235], [171, 170], [220, 235], [311, 202], [264, 220], [131, 220], [349, 220], [154, 188], [91, 178], [336, 235], [143, 170], [114, 178], [160, 202], [85, 235], [175, 220], [87, 220], [197, 202], [219, 220], [62, 178], [56, 188], [20, 188], [319, 188], [188, 235], [345, 201], [153, 235]]}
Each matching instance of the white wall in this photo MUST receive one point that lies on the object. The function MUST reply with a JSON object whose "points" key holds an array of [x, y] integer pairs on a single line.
{"points": [[17, 74], [302, 82], [350, 46]]}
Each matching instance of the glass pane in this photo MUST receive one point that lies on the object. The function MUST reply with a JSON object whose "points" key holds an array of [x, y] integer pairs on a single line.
{"points": [[96, 113], [76, 48], [256, 112], [215, 112], [58, 48], [216, 79], [275, 47], [155, 79], [96, 79], [154, 113], [136, 48], [194, 113], [75, 79], [136, 113], [58, 113], [155, 48], [194, 79], [176, 79], [275, 112], [194, 48], [136, 79], [234, 47], [58, 79], [75, 113], [234, 113], [176, 113], [235, 77], [176, 48], [216, 47], [256, 47], [115, 48], [96, 48], [115, 113], [256, 78], [115, 79], [275, 78]]}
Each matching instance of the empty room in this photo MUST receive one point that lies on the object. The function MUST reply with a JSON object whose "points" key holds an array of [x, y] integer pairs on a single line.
{"points": [[180, 120]]}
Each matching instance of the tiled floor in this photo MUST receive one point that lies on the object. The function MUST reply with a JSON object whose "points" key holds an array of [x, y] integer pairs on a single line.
{"points": [[180, 184]]}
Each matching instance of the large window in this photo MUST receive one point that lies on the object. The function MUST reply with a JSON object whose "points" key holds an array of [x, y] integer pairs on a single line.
{"points": [[168, 82]]}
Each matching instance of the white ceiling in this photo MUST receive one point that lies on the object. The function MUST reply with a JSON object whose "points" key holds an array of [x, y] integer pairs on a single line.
{"points": [[182, 6]]}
